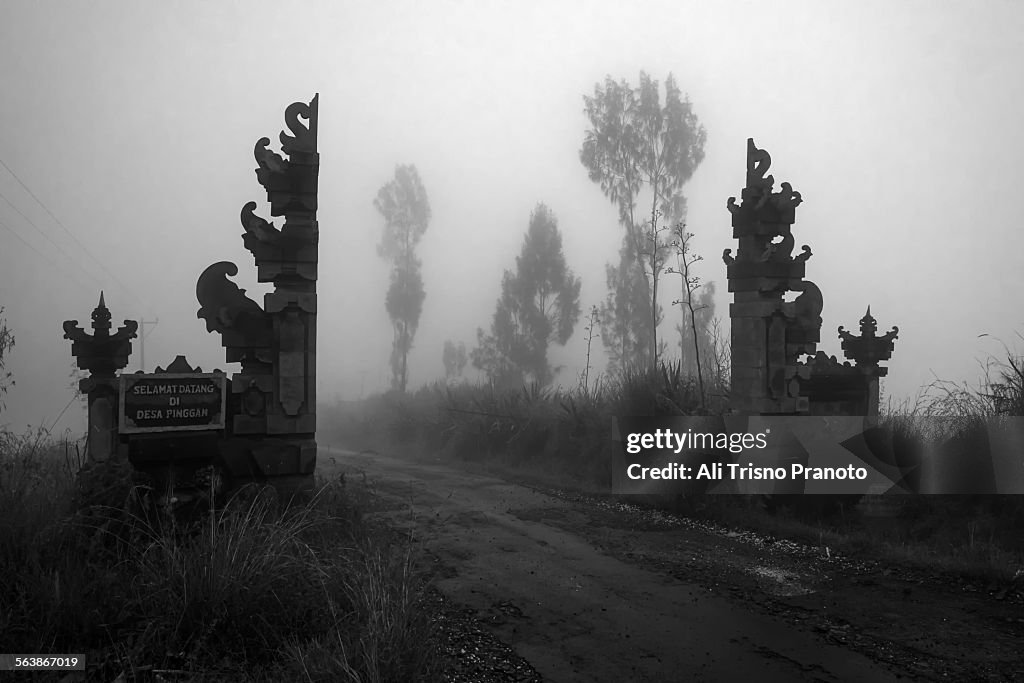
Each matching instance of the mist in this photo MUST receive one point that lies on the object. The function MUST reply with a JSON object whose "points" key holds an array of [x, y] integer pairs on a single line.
{"points": [[127, 153]]}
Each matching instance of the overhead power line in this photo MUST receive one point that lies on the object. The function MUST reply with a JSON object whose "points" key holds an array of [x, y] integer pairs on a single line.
{"points": [[46, 258], [45, 236], [56, 220]]}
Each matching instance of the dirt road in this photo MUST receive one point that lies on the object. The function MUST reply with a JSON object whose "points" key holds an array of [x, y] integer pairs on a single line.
{"points": [[587, 590]]}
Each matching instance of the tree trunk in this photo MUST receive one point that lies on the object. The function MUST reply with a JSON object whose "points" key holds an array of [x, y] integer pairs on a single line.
{"points": [[405, 355]]}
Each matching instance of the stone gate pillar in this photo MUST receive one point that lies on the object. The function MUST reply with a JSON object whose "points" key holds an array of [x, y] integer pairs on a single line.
{"points": [[768, 333], [289, 259], [274, 423], [867, 350], [102, 354], [771, 335]]}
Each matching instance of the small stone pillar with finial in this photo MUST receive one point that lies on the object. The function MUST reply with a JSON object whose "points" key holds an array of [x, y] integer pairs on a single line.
{"points": [[102, 354], [867, 351]]}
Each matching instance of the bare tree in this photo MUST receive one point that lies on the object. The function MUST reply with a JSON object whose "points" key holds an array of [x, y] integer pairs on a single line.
{"points": [[721, 355], [654, 252], [685, 258], [593, 321]]}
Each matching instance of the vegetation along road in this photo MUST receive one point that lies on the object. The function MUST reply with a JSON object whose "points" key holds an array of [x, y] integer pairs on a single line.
{"points": [[588, 589]]}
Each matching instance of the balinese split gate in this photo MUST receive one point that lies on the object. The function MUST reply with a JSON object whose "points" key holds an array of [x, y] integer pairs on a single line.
{"points": [[202, 431], [769, 334]]}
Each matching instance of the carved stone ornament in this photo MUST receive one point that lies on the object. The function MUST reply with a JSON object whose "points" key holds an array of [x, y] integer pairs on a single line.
{"points": [[786, 198], [758, 163], [101, 353], [224, 305], [867, 350], [180, 366], [268, 161], [303, 138], [257, 228]]}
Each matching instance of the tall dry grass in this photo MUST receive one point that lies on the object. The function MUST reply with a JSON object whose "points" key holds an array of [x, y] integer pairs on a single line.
{"points": [[253, 591]]}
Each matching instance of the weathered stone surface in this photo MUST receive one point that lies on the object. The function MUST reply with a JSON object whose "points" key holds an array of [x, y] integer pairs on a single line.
{"points": [[762, 308], [751, 379], [747, 356], [748, 328], [304, 423], [102, 425], [766, 269]]}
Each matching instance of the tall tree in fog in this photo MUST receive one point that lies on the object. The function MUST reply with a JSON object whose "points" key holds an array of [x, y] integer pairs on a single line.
{"points": [[403, 204], [454, 359], [626, 342], [539, 305], [641, 153]]}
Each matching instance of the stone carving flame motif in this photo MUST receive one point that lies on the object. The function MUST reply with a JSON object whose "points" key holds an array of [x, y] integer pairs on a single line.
{"points": [[291, 183], [271, 166], [303, 139], [261, 229], [224, 305]]}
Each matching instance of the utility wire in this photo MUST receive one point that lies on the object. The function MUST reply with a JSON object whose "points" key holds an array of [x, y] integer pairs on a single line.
{"points": [[45, 236], [46, 258], [77, 241], [73, 399]]}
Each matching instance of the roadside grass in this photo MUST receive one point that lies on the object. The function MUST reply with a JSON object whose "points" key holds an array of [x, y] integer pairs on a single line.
{"points": [[562, 433], [252, 592], [563, 437]]}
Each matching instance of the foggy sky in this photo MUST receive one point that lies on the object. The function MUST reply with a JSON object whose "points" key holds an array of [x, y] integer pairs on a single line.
{"points": [[134, 123]]}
